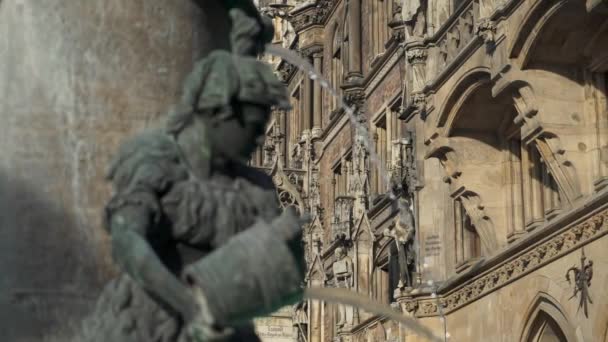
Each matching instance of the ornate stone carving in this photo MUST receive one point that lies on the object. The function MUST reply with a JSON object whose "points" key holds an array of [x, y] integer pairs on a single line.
{"points": [[520, 265], [312, 16], [402, 232], [458, 35], [582, 282], [416, 56], [285, 71], [355, 98], [343, 273], [300, 320], [486, 29], [343, 218], [316, 208]]}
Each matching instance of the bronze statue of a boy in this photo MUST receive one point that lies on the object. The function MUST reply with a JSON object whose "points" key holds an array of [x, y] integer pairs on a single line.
{"points": [[199, 235]]}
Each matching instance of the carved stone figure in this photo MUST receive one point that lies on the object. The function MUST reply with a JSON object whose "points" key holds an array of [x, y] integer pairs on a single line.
{"points": [[300, 320], [403, 235], [187, 215], [343, 277], [414, 17]]}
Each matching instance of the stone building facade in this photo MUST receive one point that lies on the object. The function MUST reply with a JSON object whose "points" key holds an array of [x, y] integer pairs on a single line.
{"points": [[469, 187]]}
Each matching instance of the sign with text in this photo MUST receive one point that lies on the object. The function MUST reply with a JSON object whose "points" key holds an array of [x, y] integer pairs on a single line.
{"points": [[432, 245]]}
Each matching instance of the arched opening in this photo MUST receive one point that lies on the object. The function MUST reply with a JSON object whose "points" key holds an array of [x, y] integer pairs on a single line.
{"points": [[545, 329], [481, 130], [547, 323], [567, 42], [558, 36]]}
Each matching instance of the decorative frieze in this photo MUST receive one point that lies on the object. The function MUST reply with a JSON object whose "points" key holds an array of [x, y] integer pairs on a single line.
{"points": [[355, 98], [486, 29], [416, 56], [457, 36], [285, 71], [514, 268], [312, 16]]}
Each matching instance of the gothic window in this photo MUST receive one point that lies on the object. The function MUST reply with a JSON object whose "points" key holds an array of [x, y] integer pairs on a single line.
{"points": [[468, 243], [545, 329], [380, 14]]}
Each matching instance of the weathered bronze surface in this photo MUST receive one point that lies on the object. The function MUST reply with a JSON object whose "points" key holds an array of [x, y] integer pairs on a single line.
{"points": [[183, 205]]}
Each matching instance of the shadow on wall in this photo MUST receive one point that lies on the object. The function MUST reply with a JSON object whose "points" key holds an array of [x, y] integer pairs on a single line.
{"points": [[49, 277]]}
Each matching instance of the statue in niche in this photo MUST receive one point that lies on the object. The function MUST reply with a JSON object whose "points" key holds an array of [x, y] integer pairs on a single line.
{"points": [[403, 233], [343, 278], [414, 18], [188, 215], [300, 320]]}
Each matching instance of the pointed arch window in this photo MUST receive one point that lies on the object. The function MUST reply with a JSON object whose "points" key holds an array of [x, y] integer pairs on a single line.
{"points": [[547, 322], [545, 329]]}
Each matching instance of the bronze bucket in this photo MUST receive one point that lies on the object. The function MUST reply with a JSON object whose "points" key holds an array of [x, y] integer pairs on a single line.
{"points": [[255, 273]]}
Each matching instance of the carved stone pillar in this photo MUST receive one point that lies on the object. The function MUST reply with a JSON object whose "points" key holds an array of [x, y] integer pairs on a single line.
{"points": [[416, 56], [597, 103], [536, 210], [516, 219], [354, 17], [317, 98]]}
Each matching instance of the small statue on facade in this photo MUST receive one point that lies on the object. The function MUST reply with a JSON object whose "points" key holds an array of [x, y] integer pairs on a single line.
{"points": [[300, 320], [414, 18], [403, 235], [343, 277], [190, 223]]}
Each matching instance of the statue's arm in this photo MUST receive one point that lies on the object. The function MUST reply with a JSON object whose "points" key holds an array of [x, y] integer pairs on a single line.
{"points": [[134, 254]]}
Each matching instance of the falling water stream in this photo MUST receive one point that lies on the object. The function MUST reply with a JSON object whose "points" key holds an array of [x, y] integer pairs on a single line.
{"points": [[364, 138]]}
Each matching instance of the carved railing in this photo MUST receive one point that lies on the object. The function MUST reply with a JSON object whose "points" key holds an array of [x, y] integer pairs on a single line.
{"points": [[456, 33], [290, 186]]}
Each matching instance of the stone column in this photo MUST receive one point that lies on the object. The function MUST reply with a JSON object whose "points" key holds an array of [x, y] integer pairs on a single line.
{"points": [[597, 102], [317, 98], [76, 79], [308, 105], [415, 102], [354, 34], [516, 219], [535, 192]]}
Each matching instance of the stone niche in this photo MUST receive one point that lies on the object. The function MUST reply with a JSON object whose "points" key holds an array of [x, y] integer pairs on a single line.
{"points": [[77, 78]]}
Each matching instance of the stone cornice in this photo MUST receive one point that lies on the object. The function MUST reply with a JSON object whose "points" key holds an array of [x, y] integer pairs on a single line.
{"points": [[562, 236], [312, 50], [381, 69]]}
